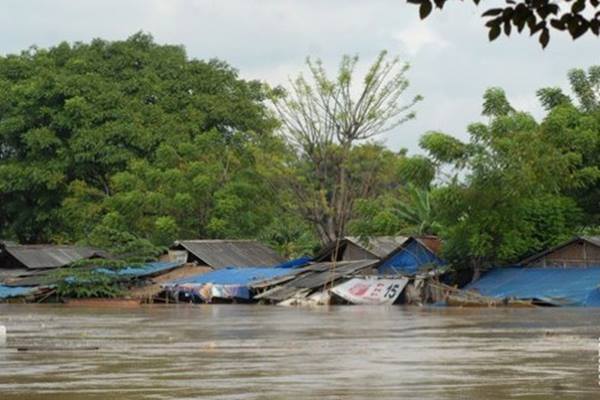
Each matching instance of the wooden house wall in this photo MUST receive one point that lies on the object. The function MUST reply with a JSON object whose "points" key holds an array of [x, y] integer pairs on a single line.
{"points": [[579, 253]]}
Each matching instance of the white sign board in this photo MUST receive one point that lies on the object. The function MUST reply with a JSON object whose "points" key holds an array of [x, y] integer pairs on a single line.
{"points": [[371, 291]]}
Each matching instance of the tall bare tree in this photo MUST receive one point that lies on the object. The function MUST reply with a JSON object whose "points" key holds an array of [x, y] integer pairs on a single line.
{"points": [[324, 118]]}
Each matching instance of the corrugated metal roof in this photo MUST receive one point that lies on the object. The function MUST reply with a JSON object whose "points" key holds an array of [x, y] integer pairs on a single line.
{"points": [[573, 286], [231, 253], [50, 256], [315, 276]]}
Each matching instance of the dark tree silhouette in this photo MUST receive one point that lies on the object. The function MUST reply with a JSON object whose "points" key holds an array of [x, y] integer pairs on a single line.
{"points": [[575, 17]]}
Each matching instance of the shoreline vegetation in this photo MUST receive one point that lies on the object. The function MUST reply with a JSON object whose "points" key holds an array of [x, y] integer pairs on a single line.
{"points": [[128, 146]]}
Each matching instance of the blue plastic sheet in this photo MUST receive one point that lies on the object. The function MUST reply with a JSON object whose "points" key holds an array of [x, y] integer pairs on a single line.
{"points": [[8, 291], [233, 276], [296, 263], [572, 286], [409, 260], [142, 270]]}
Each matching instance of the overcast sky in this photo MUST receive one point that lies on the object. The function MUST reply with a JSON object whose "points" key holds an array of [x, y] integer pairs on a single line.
{"points": [[452, 61]]}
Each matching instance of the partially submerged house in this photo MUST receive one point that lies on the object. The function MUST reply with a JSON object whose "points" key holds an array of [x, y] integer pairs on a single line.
{"points": [[412, 256], [581, 251], [222, 284], [315, 278], [398, 254], [557, 286], [272, 284], [25, 260], [565, 275], [225, 253], [352, 248]]}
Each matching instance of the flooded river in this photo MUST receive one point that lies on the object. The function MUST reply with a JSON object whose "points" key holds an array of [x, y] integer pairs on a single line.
{"points": [[261, 352]]}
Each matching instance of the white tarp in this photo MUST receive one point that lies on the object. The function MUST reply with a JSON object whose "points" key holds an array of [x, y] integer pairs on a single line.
{"points": [[371, 291]]}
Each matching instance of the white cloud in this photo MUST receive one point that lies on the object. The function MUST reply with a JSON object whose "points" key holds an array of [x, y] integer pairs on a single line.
{"points": [[419, 36]]}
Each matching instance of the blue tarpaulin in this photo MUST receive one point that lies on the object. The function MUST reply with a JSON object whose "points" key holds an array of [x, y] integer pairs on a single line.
{"points": [[245, 275], [409, 260], [141, 270], [572, 286], [230, 282], [233, 276], [8, 291], [296, 263]]}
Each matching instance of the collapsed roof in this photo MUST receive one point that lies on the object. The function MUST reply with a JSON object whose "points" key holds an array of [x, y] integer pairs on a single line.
{"points": [[316, 276]]}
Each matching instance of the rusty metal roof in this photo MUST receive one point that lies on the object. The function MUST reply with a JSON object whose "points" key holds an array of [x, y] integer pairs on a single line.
{"points": [[50, 256], [433, 243], [316, 276], [231, 253]]}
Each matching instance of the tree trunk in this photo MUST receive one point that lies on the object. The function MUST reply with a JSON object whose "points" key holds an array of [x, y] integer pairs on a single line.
{"points": [[476, 271]]}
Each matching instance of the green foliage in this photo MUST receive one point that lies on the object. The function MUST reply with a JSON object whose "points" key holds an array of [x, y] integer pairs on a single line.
{"points": [[495, 103], [81, 124], [443, 148], [417, 170], [327, 123], [509, 196], [290, 237], [418, 212], [552, 97], [85, 283], [586, 87], [376, 217]]}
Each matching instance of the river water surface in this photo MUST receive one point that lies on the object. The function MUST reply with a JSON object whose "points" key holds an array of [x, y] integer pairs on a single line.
{"points": [[267, 352]]}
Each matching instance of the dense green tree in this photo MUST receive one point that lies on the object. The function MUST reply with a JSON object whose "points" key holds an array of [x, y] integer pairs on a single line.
{"points": [[83, 119], [507, 198], [573, 127]]}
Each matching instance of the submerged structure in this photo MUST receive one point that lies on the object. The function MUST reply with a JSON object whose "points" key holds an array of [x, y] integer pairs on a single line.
{"points": [[555, 286], [405, 255], [412, 256], [564, 275]]}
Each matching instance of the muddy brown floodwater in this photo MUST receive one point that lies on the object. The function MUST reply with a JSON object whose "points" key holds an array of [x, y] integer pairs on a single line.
{"points": [[262, 352]]}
